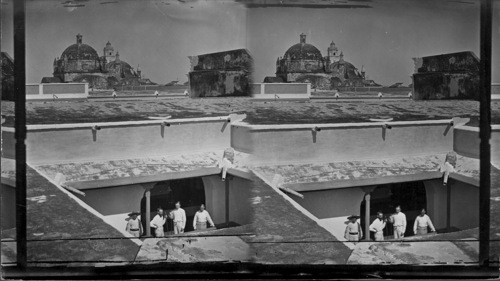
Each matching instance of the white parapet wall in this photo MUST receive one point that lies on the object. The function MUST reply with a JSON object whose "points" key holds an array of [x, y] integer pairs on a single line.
{"points": [[324, 143], [495, 91], [281, 91], [55, 91], [466, 142], [58, 143]]}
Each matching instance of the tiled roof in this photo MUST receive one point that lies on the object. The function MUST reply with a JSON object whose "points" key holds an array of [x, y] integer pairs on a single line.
{"points": [[257, 112], [165, 166], [53, 214], [305, 177]]}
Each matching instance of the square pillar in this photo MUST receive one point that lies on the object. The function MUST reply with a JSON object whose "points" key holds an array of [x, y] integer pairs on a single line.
{"points": [[368, 190], [148, 212], [367, 216], [147, 194]]}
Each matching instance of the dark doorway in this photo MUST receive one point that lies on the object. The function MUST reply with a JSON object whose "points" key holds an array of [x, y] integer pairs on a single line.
{"points": [[190, 192], [411, 196]]}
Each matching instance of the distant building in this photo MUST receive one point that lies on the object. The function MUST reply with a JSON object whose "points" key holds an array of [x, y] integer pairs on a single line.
{"points": [[221, 74], [7, 83], [81, 63], [303, 62], [446, 76]]}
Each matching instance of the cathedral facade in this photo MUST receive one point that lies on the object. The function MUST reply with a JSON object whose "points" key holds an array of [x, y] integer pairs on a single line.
{"points": [[81, 63], [304, 63]]}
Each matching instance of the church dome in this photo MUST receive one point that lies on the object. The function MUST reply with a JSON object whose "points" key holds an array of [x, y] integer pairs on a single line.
{"points": [[347, 68], [126, 69], [80, 51], [303, 51]]}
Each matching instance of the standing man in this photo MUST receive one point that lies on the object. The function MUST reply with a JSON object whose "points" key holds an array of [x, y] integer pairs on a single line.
{"points": [[399, 221], [421, 223], [201, 218], [378, 226], [134, 225], [158, 222], [353, 230], [179, 217]]}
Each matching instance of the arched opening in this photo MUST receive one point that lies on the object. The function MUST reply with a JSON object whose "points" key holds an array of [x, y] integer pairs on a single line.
{"points": [[411, 196], [190, 192]]}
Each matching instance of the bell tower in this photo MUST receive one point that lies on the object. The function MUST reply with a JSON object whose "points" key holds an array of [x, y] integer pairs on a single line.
{"points": [[333, 53], [139, 71], [109, 52]]}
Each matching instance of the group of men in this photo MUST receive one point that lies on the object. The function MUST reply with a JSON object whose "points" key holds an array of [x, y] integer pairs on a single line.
{"points": [[178, 215], [354, 233]]}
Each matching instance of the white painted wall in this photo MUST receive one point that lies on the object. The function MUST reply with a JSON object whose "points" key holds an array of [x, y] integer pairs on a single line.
{"points": [[464, 204], [332, 203], [215, 198], [120, 140], [436, 202], [240, 210], [466, 142], [47, 91], [115, 200], [240, 138], [346, 142]]}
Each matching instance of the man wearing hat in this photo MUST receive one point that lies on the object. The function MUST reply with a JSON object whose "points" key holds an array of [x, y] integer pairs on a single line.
{"points": [[134, 225], [353, 230]]}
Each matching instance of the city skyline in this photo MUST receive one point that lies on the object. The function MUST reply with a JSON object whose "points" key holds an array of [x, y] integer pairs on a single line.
{"points": [[160, 35]]}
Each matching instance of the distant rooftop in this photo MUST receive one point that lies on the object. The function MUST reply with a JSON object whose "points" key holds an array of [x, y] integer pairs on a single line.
{"points": [[257, 112]]}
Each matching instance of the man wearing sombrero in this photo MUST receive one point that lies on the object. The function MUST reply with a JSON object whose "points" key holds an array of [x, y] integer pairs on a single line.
{"points": [[353, 231], [134, 225]]}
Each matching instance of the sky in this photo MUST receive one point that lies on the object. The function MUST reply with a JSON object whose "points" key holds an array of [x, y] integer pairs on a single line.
{"points": [[158, 35]]}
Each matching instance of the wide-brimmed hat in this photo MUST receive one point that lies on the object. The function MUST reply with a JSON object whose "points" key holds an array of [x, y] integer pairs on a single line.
{"points": [[134, 213], [353, 217]]}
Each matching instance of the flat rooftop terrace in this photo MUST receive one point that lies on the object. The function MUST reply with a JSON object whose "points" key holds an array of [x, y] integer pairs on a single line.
{"points": [[270, 112]]}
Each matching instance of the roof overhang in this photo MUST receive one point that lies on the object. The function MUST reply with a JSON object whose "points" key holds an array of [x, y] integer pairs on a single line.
{"points": [[325, 176], [102, 174]]}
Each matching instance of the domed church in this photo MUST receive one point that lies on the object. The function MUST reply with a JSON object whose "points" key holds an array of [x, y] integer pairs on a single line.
{"points": [[81, 63], [304, 63]]}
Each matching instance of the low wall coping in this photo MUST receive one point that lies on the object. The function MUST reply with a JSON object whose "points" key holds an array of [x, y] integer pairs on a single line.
{"points": [[300, 127], [77, 126], [494, 127], [279, 83]]}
